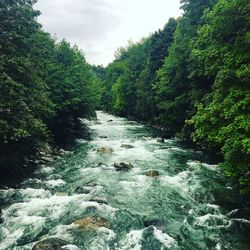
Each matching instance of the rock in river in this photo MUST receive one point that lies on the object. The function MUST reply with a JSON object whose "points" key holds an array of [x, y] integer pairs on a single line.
{"points": [[81, 190], [47, 158], [101, 164], [101, 200], [105, 150], [50, 244], [160, 139], [91, 223], [123, 165], [152, 173], [127, 146], [103, 136]]}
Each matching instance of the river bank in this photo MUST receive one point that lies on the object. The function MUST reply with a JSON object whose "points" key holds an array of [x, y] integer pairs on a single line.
{"points": [[84, 201]]}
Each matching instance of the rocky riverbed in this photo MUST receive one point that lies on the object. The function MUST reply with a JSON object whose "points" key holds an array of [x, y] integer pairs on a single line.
{"points": [[124, 189]]}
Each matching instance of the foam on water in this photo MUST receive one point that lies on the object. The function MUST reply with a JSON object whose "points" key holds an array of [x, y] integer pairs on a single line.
{"points": [[138, 184], [31, 181], [196, 164], [55, 183], [45, 170], [164, 238], [70, 247], [139, 209], [16, 227], [177, 149], [109, 234], [102, 240], [4, 193], [9, 238], [53, 207], [63, 232], [132, 241], [178, 181], [212, 220], [213, 206], [241, 220], [103, 209], [30, 193], [90, 170], [218, 246]]}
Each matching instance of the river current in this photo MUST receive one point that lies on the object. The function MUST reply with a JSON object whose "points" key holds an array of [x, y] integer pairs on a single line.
{"points": [[188, 206]]}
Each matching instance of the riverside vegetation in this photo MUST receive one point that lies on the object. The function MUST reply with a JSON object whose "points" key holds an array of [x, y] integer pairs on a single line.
{"points": [[126, 185], [45, 87], [191, 79]]}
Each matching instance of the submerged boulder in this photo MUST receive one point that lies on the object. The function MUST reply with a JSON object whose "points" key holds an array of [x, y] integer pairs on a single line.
{"points": [[160, 139], [123, 165], [198, 162], [101, 164], [47, 158], [152, 173], [103, 136], [97, 122], [91, 184], [91, 223], [1, 219], [101, 200], [82, 190], [61, 151], [166, 147], [127, 146], [105, 150], [50, 244]]}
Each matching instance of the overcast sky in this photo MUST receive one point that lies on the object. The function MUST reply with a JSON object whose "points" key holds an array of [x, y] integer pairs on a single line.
{"points": [[99, 27]]}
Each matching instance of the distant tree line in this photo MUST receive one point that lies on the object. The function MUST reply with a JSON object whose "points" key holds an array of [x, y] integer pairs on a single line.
{"points": [[45, 86], [192, 78]]}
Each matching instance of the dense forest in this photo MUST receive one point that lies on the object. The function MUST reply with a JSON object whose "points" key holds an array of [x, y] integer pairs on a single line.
{"points": [[45, 87], [191, 79]]}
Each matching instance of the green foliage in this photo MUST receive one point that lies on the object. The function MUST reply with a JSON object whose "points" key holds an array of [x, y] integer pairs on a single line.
{"points": [[222, 120], [128, 82], [24, 103], [192, 80], [71, 83], [43, 84], [176, 93]]}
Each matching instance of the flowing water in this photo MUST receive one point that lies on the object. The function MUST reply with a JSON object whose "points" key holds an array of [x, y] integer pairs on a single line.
{"points": [[188, 206]]}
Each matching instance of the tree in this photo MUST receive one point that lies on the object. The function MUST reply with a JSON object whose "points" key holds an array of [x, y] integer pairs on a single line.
{"points": [[71, 83], [24, 103], [176, 93], [222, 120], [45, 87]]}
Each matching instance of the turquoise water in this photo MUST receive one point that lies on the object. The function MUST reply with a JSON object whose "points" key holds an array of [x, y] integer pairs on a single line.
{"points": [[188, 206]]}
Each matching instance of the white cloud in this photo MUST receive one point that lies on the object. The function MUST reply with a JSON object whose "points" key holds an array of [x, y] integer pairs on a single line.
{"points": [[99, 27]]}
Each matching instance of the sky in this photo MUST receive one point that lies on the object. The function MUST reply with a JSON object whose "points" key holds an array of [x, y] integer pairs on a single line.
{"points": [[99, 27]]}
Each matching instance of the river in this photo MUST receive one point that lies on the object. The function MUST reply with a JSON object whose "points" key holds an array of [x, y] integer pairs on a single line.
{"points": [[188, 206]]}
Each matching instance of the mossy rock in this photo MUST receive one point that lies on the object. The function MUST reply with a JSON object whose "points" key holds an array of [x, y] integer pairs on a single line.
{"points": [[152, 173], [124, 165], [105, 150], [89, 223], [50, 244]]}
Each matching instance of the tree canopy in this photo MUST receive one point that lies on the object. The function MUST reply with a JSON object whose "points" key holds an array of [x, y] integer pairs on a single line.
{"points": [[45, 86], [191, 79]]}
